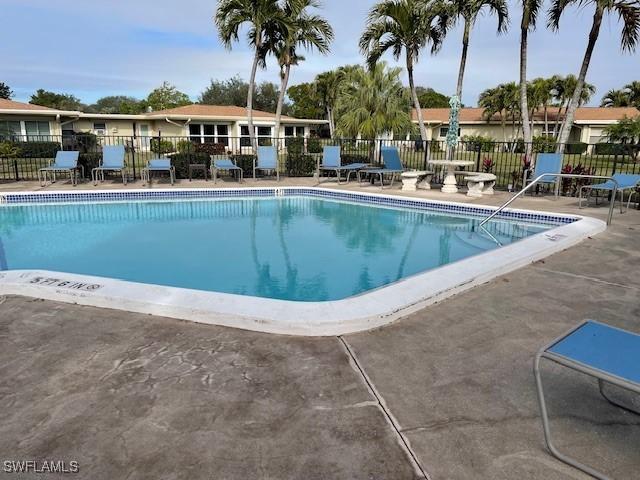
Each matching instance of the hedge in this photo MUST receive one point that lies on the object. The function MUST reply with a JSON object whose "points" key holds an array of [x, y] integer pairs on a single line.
{"points": [[576, 148], [37, 149], [181, 161]]}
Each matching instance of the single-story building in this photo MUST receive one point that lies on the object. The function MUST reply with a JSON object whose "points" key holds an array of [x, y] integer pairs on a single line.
{"points": [[201, 123], [588, 127]]}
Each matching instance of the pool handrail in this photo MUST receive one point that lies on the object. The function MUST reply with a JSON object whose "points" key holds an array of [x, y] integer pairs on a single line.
{"points": [[557, 175]]}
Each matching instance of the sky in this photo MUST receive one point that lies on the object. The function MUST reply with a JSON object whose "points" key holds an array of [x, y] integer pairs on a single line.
{"points": [[93, 48]]}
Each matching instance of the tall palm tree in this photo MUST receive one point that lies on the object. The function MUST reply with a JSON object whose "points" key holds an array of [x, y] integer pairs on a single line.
{"points": [[542, 90], [628, 11], [468, 11], [265, 20], [530, 9], [563, 88], [615, 98], [372, 103], [502, 100], [408, 25], [304, 30], [327, 86]]}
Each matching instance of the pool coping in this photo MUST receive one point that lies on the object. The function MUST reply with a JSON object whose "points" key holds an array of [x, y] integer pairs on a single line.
{"points": [[370, 309]]}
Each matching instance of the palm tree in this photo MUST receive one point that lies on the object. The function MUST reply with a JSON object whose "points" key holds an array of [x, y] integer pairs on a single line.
{"points": [[327, 86], [615, 98], [372, 103], [305, 30], [563, 88], [502, 100], [542, 92], [468, 11], [266, 20], [407, 25], [627, 11], [530, 9], [633, 90]]}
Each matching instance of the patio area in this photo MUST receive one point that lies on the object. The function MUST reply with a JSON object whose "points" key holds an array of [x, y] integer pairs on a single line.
{"points": [[445, 393]]}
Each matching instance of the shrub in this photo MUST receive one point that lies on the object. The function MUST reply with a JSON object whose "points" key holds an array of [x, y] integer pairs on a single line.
{"points": [[570, 186], [540, 144], [610, 149], [9, 150], [350, 158], [487, 164], [298, 164], [295, 145], [479, 142], [37, 149], [181, 161], [314, 145], [160, 147], [245, 162], [185, 146], [576, 148], [211, 148], [89, 160]]}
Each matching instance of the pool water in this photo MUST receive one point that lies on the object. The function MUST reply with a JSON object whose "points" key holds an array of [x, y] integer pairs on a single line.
{"points": [[292, 247]]}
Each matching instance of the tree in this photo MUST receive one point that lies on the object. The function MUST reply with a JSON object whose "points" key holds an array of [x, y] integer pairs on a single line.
{"points": [[59, 101], [563, 88], [530, 9], [266, 97], [502, 100], [225, 92], [117, 104], [467, 11], [539, 96], [626, 130], [5, 91], [305, 101], [408, 25], [328, 85], [615, 98], [303, 30], [167, 96], [429, 98], [373, 102], [265, 19], [633, 90], [627, 11]]}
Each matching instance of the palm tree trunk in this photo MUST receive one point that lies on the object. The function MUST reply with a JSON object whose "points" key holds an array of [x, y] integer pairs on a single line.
{"points": [[332, 127], [463, 57], [565, 130], [416, 101], [555, 130], [252, 84], [524, 107], [546, 120], [503, 122], [284, 80]]}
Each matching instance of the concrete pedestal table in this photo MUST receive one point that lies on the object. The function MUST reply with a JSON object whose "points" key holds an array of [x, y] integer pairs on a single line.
{"points": [[450, 185], [414, 179]]}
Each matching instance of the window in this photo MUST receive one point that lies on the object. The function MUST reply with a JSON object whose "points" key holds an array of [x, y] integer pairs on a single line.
{"points": [[264, 135], [37, 130], [445, 130], [209, 133], [10, 128], [294, 131], [100, 128]]}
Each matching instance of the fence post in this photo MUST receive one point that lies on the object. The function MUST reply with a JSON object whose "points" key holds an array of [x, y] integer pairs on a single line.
{"points": [[15, 168], [427, 148], [615, 160], [478, 157], [133, 154]]}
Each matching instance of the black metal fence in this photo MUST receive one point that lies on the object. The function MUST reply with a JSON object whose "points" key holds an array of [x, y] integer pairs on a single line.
{"points": [[21, 157]]}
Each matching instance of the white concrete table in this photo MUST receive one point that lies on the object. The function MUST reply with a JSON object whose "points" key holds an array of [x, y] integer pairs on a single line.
{"points": [[450, 185], [414, 179]]}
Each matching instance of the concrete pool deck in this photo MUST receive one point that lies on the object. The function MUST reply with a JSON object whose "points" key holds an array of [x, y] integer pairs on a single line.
{"points": [[448, 390]]}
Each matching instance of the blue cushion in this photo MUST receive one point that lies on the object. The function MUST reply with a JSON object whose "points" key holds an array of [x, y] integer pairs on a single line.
{"points": [[66, 159], [547, 163], [113, 156], [602, 347], [624, 180], [225, 164], [267, 157], [159, 164], [331, 156], [391, 158]]}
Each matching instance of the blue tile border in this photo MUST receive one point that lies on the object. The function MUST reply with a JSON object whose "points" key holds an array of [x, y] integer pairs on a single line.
{"points": [[419, 204]]}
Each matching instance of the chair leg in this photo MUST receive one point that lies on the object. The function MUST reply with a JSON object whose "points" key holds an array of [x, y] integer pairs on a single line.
{"points": [[547, 431]]}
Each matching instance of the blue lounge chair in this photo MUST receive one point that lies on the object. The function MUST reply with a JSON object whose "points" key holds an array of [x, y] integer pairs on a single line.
{"points": [[158, 165], [112, 161], [625, 181], [607, 353], [267, 159], [331, 161], [65, 161], [224, 164], [392, 166], [546, 163]]}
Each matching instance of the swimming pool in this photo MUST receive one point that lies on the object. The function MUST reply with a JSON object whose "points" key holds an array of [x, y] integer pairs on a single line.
{"points": [[252, 253]]}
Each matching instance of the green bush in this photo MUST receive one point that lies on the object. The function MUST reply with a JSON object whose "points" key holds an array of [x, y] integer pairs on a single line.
{"points": [[295, 145], [576, 148], [300, 165], [610, 149], [211, 148], [37, 149], [479, 142], [541, 144], [245, 162], [314, 145], [350, 158], [160, 147], [181, 161], [89, 161], [185, 146]]}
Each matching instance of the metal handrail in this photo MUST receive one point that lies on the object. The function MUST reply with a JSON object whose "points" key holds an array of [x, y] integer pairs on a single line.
{"points": [[562, 175]]}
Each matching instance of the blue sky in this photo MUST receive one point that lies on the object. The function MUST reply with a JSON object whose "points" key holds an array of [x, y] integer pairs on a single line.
{"points": [[91, 49]]}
